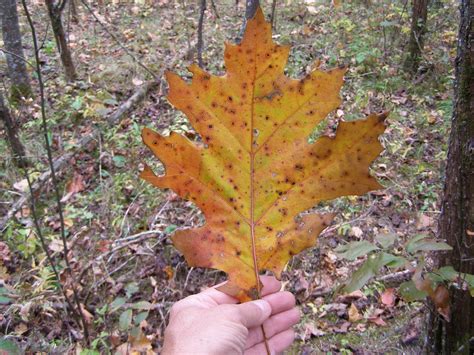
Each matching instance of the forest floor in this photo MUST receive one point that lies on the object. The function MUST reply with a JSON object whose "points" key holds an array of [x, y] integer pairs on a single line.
{"points": [[127, 287]]}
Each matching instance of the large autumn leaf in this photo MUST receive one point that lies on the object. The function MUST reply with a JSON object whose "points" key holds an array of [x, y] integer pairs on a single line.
{"points": [[256, 171]]}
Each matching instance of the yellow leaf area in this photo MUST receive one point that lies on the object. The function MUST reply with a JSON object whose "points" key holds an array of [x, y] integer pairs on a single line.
{"points": [[256, 171]]}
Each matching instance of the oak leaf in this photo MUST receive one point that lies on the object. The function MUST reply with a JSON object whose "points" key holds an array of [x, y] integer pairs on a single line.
{"points": [[255, 171]]}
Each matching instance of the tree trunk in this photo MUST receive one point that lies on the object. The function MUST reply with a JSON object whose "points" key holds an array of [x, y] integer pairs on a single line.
{"points": [[20, 81], [250, 8], [12, 135], [273, 17], [55, 12], [456, 222], [418, 27]]}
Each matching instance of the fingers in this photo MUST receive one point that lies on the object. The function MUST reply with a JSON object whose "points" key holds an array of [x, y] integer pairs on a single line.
{"points": [[270, 285], [277, 343], [284, 316], [274, 325], [219, 297], [250, 314], [280, 301]]}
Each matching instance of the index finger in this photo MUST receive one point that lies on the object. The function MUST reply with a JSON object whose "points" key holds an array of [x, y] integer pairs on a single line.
{"points": [[270, 285]]}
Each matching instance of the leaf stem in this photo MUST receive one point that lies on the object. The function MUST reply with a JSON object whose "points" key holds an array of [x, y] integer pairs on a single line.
{"points": [[252, 199]]}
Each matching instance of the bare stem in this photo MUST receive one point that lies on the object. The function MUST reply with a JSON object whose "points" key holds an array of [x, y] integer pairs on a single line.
{"points": [[53, 173], [200, 29]]}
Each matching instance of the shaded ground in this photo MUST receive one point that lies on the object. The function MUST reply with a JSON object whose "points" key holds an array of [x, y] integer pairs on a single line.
{"points": [[113, 206]]}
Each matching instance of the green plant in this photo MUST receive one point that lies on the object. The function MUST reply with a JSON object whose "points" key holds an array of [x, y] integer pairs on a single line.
{"points": [[380, 255]]}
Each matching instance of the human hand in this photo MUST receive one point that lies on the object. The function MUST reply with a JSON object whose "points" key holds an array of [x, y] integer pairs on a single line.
{"points": [[212, 322]]}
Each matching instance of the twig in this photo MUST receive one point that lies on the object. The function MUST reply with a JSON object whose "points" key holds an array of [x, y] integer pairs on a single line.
{"points": [[140, 237], [136, 236], [187, 279], [133, 239], [118, 41], [200, 29], [122, 224], [273, 17], [214, 8], [53, 174], [18, 57], [45, 36], [336, 226], [396, 277]]}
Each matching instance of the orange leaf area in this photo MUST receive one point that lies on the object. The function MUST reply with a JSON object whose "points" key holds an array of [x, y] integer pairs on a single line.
{"points": [[256, 170]]}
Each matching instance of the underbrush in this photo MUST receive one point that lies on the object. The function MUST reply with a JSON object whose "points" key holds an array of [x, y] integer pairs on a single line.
{"points": [[126, 271]]}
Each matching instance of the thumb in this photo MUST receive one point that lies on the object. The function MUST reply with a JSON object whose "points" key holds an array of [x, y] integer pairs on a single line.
{"points": [[254, 313]]}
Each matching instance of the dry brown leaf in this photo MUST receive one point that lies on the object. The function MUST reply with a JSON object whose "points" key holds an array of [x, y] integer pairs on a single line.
{"points": [[21, 185], [311, 330], [87, 315], [354, 314], [5, 254], [441, 300], [140, 343], [388, 297], [74, 186], [341, 328], [21, 329], [377, 320]]}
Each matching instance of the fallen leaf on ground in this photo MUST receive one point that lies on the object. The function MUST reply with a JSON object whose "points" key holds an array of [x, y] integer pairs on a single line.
{"points": [[377, 320], [354, 314], [441, 300], [356, 232], [341, 328], [74, 186], [5, 254], [88, 317], [21, 329], [410, 335], [137, 82], [439, 296], [388, 297], [311, 330], [424, 221], [140, 343], [21, 185], [301, 284], [350, 297]]}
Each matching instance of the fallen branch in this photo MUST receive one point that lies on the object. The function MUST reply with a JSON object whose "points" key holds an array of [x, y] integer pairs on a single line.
{"points": [[396, 278], [61, 162]]}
